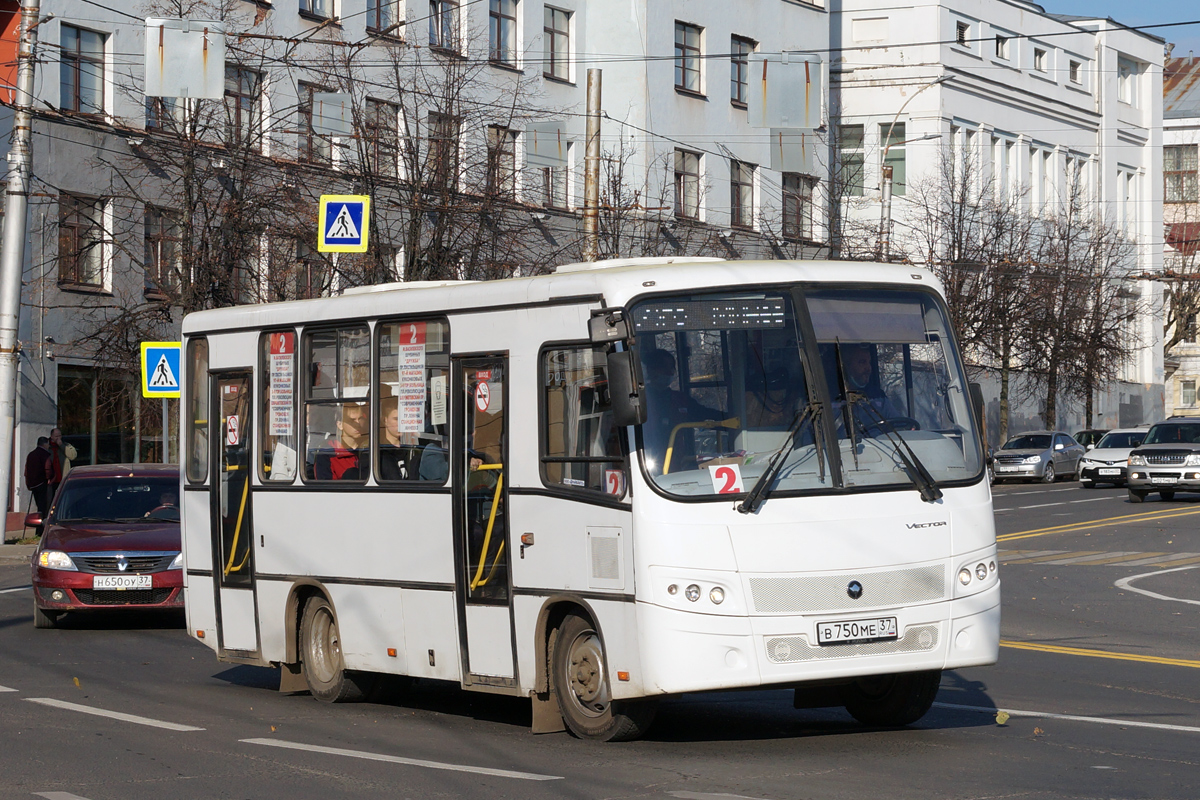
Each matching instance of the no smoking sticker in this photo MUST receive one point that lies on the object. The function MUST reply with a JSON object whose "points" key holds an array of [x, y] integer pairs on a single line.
{"points": [[231, 430], [483, 396]]}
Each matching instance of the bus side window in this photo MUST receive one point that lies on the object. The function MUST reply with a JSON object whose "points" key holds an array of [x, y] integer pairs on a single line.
{"points": [[196, 419], [278, 454], [337, 368], [581, 445], [414, 375]]}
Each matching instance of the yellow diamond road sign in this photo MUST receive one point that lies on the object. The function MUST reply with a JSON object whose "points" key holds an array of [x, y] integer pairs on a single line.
{"points": [[342, 227]]}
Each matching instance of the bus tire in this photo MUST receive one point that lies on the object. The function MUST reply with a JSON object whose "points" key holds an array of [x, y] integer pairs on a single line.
{"points": [[892, 701], [321, 656], [44, 619], [579, 679]]}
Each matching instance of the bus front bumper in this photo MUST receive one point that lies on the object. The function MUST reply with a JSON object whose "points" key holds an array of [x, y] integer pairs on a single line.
{"points": [[690, 652]]}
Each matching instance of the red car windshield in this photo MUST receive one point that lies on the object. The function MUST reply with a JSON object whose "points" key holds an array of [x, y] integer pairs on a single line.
{"points": [[114, 499]]}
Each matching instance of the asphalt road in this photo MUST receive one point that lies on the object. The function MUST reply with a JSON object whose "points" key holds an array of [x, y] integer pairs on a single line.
{"points": [[1097, 694]]}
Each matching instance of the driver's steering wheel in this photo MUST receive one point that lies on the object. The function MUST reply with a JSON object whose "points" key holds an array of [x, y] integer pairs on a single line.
{"points": [[155, 512]]}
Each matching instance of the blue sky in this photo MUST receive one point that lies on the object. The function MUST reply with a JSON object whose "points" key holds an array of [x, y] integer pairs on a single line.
{"points": [[1144, 12]]}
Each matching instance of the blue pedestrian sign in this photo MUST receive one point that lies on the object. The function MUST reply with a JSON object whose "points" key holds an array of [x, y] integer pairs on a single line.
{"points": [[160, 369], [343, 223]]}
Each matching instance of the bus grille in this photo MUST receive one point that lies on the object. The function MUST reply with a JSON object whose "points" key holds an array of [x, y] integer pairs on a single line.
{"points": [[790, 649], [806, 595]]}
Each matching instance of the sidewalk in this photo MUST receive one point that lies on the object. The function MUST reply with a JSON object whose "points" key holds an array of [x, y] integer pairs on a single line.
{"points": [[16, 553]]}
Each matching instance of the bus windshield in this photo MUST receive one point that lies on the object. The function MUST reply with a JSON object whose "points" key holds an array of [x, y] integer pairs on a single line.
{"points": [[725, 379]]}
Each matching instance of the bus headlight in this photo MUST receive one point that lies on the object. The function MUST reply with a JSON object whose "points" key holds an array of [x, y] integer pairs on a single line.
{"points": [[981, 571], [717, 595], [964, 576], [692, 592]]}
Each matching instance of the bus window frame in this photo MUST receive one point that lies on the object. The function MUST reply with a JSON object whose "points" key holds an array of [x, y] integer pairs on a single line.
{"points": [[194, 381], [575, 493], [304, 359], [377, 399], [262, 379], [797, 291]]}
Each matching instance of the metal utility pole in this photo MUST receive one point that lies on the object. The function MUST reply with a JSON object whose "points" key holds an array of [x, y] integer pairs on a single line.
{"points": [[591, 170], [12, 250]]}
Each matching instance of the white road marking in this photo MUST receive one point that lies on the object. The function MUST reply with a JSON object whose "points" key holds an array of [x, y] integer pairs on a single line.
{"points": [[1127, 583], [413, 762], [117, 715], [59, 796], [6, 689], [18, 589], [1047, 491], [1074, 718], [1062, 503], [711, 796]]}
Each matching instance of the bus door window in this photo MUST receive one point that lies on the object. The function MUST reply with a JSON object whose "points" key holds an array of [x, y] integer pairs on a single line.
{"points": [[197, 411], [486, 515], [233, 398]]}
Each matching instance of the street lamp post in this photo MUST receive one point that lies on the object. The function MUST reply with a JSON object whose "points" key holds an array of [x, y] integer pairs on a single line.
{"points": [[885, 188]]}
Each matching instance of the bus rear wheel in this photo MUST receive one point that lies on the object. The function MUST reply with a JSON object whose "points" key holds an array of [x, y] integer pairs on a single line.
{"points": [[892, 701], [321, 656], [579, 679]]}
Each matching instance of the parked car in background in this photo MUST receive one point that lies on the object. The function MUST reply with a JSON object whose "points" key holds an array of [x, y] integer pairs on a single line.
{"points": [[1089, 438], [1167, 461], [111, 543], [1108, 462], [1038, 456]]}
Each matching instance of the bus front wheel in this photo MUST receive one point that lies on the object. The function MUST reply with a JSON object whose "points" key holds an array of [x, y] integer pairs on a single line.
{"points": [[579, 679], [321, 656], [891, 701]]}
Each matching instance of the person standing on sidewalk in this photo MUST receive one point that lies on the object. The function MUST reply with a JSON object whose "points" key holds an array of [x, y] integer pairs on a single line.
{"points": [[37, 475], [60, 461]]}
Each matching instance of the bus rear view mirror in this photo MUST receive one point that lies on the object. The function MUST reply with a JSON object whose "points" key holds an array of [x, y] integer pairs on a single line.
{"points": [[625, 389], [608, 325]]}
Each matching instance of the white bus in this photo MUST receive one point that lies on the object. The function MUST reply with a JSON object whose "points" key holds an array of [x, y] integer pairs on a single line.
{"points": [[595, 488]]}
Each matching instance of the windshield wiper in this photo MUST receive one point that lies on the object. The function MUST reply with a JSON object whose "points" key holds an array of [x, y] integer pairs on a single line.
{"points": [[94, 520], [913, 467], [758, 493]]}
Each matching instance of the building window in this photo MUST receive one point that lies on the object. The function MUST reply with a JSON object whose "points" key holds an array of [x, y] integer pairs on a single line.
{"points": [[243, 99], [687, 184], [1127, 199], [851, 160], [297, 271], [556, 31], [1002, 47], [321, 9], [501, 161], [1039, 59], [1179, 174], [82, 70], [962, 34], [502, 20], [739, 69], [1187, 393], [81, 241], [741, 194], [164, 114], [314, 147], [382, 145], [443, 24], [797, 207], [441, 150], [687, 58], [161, 261], [555, 187], [1127, 73], [381, 15], [1075, 72], [892, 154]]}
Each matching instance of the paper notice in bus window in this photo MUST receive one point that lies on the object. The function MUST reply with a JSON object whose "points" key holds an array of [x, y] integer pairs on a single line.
{"points": [[437, 400], [283, 349], [412, 416], [726, 478]]}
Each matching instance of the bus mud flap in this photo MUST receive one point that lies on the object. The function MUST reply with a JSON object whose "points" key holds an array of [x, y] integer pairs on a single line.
{"points": [[547, 717], [291, 678]]}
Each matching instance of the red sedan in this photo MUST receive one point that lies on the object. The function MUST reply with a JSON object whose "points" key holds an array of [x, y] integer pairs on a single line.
{"points": [[111, 542]]}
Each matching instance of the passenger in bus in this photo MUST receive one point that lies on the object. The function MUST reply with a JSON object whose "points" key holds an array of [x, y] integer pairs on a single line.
{"points": [[667, 408], [399, 453], [342, 457], [772, 403]]}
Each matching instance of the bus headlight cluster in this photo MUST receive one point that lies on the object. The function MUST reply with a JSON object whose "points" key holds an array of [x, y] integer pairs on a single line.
{"points": [[981, 572], [693, 592]]}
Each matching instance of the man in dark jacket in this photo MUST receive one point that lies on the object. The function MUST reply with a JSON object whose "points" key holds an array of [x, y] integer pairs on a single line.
{"points": [[37, 476]]}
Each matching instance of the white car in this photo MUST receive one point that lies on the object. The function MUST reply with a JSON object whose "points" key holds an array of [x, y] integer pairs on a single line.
{"points": [[1108, 461]]}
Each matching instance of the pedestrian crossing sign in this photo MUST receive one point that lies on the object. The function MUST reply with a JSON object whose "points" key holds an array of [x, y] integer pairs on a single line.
{"points": [[160, 369], [343, 223]]}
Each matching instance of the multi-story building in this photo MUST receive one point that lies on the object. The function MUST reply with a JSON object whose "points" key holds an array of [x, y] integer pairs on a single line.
{"points": [[1181, 218], [144, 208], [1045, 107]]}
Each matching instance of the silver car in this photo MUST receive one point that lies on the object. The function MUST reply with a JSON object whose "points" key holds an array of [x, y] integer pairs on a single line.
{"points": [[1038, 456], [1107, 462]]}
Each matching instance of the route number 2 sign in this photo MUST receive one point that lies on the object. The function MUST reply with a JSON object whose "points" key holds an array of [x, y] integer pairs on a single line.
{"points": [[726, 478]]}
